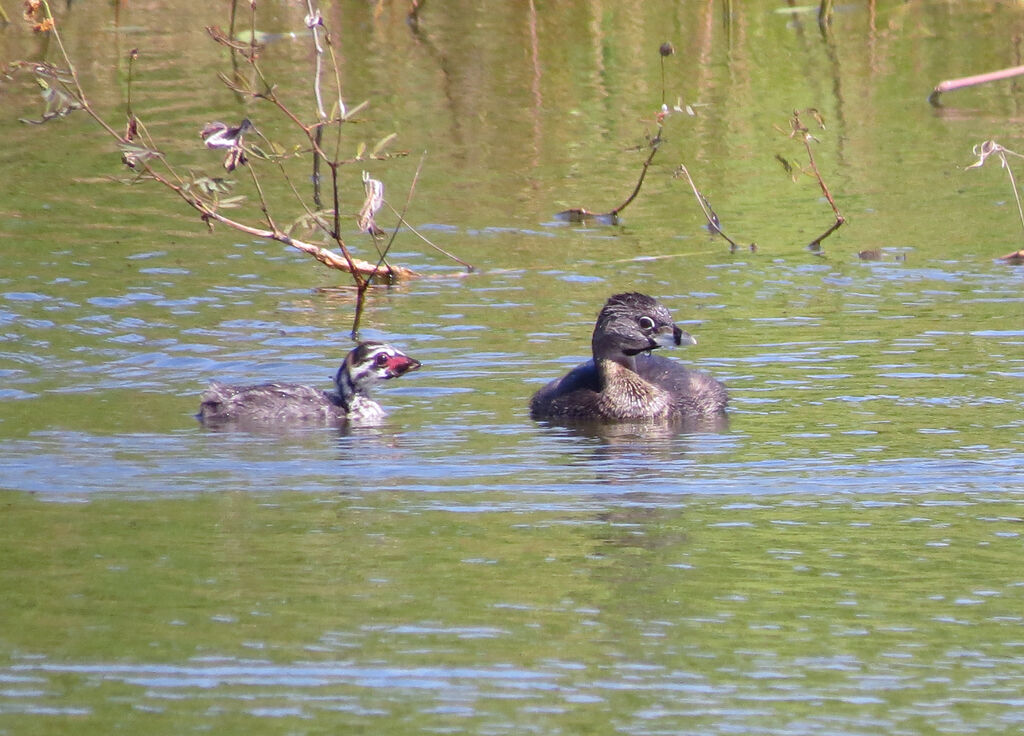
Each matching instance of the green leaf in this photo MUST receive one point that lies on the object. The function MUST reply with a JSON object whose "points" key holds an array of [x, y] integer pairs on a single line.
{"points": [[358, 108], [384, 142]]}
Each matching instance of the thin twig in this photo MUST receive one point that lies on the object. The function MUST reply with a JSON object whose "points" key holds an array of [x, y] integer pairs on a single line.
{"points": [[140, 153], [403, 221], [989, 148], [654, 143], [428, 241], [800, 131], [581, 214], [713, 222]]}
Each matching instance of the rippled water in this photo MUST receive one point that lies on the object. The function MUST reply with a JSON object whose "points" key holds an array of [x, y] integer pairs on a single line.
{"points": [[841, 558]]}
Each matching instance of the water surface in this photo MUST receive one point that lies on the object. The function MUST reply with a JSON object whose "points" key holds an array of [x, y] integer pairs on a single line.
{"points": [[841, 558]]}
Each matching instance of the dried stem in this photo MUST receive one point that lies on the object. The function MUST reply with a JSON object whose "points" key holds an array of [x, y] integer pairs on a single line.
{"points": [[800, 131], [140, 153], [714, 224], [403, 221], [990, 148], [654, 144], [581, 214], [825, 11]]}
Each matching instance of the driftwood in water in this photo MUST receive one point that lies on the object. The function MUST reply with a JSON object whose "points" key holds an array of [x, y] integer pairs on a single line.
{"points": [[611, 217], [951, 84]]}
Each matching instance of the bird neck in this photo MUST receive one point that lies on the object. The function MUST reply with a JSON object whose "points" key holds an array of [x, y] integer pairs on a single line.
{"points": [[348, 391], [625, 394], [356, 399], [605, 350]]}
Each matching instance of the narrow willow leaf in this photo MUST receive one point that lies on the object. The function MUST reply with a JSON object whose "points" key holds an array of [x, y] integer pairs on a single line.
{"points": [[249, 36], [384, 142], [358, 108], [132, 154]]}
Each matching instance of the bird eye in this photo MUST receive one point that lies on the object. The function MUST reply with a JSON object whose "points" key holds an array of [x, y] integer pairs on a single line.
{"points": [[381, 360], [646, 323]]}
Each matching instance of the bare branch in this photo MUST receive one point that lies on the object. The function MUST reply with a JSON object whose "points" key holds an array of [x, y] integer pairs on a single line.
{"points": [[799, 131]]}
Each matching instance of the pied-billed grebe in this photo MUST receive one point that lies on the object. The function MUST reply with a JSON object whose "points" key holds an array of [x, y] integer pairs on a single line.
{"points": [[283, 404], [624, 382]]}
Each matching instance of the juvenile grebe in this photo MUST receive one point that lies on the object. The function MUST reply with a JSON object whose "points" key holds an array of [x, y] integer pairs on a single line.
{"points": [[624, 382], [283, 404]]}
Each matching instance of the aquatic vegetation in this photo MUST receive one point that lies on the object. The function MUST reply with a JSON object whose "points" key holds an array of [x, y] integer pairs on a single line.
{"points": [[800, 132], [324, 142], [990, 148]]}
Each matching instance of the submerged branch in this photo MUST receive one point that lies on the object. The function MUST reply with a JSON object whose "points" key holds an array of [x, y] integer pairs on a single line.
{"points": [[714, 224], [951, 84], [611, 217], [654, 144]]}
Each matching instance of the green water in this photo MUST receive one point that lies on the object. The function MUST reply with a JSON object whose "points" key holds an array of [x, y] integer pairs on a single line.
{"points": [[841, 558], [375, 611]]}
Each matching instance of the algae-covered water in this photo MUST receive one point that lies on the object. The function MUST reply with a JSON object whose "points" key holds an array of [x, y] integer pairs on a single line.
{"points": [[841, 558]]}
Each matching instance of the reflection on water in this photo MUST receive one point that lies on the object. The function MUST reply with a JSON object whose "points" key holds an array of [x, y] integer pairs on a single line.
{"points": [[648, 433], [841, 614], [841, 557]]}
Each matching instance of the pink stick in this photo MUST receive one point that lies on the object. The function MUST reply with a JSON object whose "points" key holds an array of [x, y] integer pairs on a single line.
{"points": [[951, 84]]}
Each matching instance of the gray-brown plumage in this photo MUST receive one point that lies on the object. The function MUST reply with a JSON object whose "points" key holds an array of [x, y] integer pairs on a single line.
{"points": [[624, 382], [284, 404]]}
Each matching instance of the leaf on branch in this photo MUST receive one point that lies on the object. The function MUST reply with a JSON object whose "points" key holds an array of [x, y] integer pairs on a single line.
{"points": [[238, 85], [209, 190], [264, 155], [132, 154], [210, 186], [58, 101], [374, 199], [249, 48], [312, 221], [347, 114], [786, 165], [360, 150], [59, 104], [231, 202], [49, 71], [382, 143]]}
